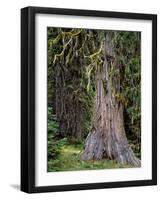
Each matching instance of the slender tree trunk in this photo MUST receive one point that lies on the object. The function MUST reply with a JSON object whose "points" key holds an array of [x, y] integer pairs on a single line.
{"points": [[67, 107], [107, 138]]}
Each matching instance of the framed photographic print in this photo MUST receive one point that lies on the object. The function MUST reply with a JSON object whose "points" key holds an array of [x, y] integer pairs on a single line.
{"points": [[88, 99]]}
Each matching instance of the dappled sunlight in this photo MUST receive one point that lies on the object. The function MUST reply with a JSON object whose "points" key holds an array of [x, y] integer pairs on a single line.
{"points": [[70, 150]]}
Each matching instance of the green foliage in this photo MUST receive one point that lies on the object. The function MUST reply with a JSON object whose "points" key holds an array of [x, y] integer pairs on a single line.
{"points": [[54, 144], [52, 124]]}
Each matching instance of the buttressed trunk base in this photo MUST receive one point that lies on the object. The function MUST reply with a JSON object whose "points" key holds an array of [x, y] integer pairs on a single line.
{"points": [[107, 138]]}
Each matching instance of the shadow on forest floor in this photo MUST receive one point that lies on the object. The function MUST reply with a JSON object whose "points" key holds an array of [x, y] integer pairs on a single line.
{"points": [[69, 160]]}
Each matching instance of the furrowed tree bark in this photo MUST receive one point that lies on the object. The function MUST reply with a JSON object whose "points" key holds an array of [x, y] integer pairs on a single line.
{"points": [[107, 139]]}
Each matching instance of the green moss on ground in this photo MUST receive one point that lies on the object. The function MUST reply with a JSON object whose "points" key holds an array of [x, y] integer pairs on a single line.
{"points": [[69, 160]]}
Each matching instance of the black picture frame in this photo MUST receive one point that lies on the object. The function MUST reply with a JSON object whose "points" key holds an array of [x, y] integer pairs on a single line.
{"points": [[28, 98]]}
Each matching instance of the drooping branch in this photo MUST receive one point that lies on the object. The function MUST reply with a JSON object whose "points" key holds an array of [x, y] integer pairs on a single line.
{"points": [[94, 54]]}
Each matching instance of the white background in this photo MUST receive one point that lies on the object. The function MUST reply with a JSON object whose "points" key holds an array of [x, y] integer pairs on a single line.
{"points": [[10, 99], [58, 178]]}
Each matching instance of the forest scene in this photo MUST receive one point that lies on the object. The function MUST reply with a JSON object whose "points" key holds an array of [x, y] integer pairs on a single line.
{"points": [[94, 99]]}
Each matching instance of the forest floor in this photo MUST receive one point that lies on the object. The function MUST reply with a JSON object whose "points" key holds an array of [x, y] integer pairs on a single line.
{"points": [[69, 160]]}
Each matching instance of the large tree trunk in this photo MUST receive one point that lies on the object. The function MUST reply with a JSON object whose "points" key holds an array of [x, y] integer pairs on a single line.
{"points": [[107, 138]]}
